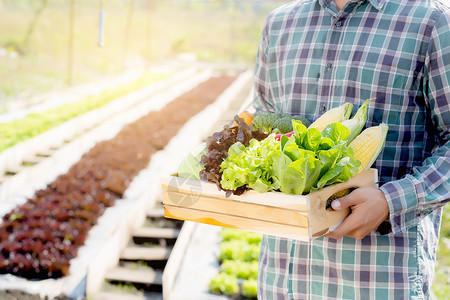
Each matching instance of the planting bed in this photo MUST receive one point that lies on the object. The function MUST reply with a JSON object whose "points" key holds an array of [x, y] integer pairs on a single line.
{"points": [[24, 163], [40, 237]]}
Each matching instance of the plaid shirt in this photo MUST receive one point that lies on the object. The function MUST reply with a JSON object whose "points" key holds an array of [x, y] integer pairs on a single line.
{"points": [[312, 58]]}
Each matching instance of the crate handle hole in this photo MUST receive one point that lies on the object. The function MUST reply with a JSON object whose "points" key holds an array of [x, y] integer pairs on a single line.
{"points": [[337, 195]]}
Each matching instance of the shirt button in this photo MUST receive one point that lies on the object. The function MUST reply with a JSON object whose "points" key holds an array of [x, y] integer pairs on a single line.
{"points": [[329, 65], [338, 24], [323, 108]]}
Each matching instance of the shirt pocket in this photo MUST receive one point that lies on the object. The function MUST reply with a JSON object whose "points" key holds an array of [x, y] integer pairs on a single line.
{"points": [[386, 85]]}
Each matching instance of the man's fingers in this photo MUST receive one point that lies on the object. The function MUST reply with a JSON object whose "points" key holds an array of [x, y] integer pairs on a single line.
{"points": [[345, 228], [346, 201], [368, 209]]}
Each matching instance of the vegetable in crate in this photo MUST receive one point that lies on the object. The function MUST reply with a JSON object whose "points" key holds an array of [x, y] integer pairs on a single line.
{"points": [[366, 148], [368, 145], [190, 166], [247, 116], [357, 122], [302, 163], [217, 147], [250, 167], [336, 114], [269, 121]]}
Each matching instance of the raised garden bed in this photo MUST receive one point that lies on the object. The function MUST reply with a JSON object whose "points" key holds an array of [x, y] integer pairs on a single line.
{"points": [[14, 132], [72, 204]]}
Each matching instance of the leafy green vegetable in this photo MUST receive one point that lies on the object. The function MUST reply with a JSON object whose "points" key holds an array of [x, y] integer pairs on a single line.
{"points": [[218, 146], [336, 132], [356, 124], [250, 166], [190, 166], [304, 162]]}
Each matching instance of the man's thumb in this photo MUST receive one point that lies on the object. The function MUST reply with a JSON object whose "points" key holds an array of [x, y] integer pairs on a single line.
{"points": [[341, 203], [336, 204]]}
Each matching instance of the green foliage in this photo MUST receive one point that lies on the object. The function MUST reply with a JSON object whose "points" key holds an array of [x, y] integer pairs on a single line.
{"points": [[265, 121], [34, 124], [229, 234], [250, 288], [441, 282], [445, 227], [238, 250], [251, 166], [240, 269], [239, 253], [190, 166], [305, 162], [224, 284]]}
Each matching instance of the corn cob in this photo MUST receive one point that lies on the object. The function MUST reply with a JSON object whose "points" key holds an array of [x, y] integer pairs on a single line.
{"points": [[337, 195], [356, 124], [366, 147], [337, 114], [368, 144]]}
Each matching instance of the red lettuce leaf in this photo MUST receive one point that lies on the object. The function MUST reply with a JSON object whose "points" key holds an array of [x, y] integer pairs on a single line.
{"points": [[217, 147]]}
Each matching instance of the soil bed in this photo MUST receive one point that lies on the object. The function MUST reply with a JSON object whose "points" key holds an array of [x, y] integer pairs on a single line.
{"points": [[39, 238]]}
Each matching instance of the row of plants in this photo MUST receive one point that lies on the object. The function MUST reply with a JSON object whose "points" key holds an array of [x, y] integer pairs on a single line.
{"points": [[17, 131], [40, 237], [238, 257]]}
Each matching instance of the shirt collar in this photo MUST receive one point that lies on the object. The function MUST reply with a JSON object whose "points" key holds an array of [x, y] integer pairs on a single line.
{"points": [[378, 4]]}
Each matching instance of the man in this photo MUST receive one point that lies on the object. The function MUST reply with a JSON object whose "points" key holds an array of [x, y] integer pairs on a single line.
{"points": [[318, 54]]}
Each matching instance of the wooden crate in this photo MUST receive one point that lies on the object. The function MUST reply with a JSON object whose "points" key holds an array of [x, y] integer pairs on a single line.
{"points": [[301, 217]]}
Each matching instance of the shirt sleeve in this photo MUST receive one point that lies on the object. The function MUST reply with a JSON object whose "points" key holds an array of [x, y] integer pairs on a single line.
{"points": [[428, 186], [262, 100]]}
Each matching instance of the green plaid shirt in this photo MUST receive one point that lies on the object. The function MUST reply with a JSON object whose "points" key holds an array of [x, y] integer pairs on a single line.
{"points": [[312, 58]]}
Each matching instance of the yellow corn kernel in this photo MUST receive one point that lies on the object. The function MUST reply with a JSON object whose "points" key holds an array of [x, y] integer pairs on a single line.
{"points": [[337, 114], [339, 194], [368, 144]]}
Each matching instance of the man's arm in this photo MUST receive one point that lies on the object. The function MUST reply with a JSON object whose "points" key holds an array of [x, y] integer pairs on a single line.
{"points": [[428, 186]]}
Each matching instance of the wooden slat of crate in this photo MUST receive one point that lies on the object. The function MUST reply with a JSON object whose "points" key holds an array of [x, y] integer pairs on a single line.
{"points": [[213, 218], [294, 216], [207, 189], [228, 206]]}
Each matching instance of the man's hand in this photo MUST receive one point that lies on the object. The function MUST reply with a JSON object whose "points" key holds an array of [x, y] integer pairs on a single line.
{"points": [[369, 209]]}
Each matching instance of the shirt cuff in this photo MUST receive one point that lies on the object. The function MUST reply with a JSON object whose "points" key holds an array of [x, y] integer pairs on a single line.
{"points": [[401, 196]]}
